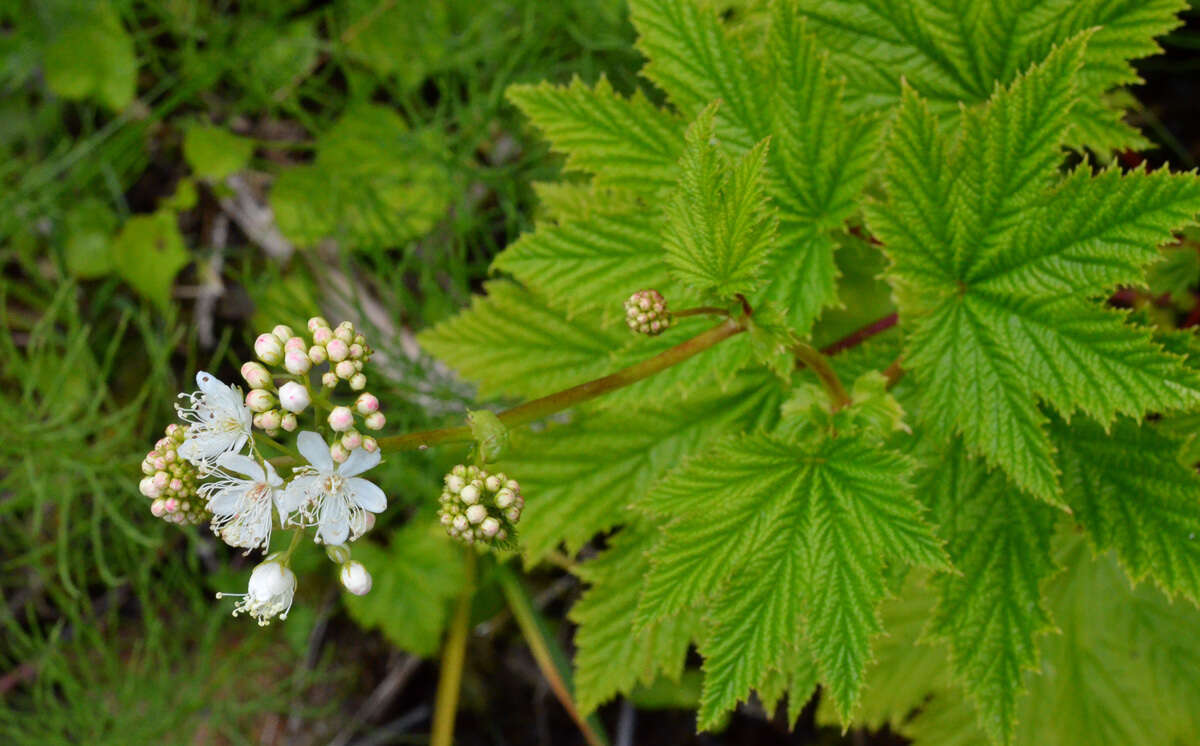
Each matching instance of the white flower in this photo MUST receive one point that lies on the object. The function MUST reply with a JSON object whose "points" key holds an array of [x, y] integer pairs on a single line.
{"points": [[218, 421], [269, 594], [330, 496], [355, 578], [242, 507]]}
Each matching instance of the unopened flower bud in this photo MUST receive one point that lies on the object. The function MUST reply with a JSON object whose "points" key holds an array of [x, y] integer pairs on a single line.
{"points": [[317, 354], [297, 362], [316, 322], [454, 483], [355, 578], [492, 483], [259, 400], [294, 343], [329, 379], [345, 332], [293, 397], [345, 369], [646, 313], [460, 522], [323, 335], [282, 332], [490, 527], [469, 494], [158, 508], [476, 513], [356, 350], [269, 420], [358, 382], [337, 350], [341, 419], [147, 488], [375, 421], [288, 422], [338, 453], [268, 348], [370, 445], [505, 498], [352, 439], [257, 375], [366, 403]]}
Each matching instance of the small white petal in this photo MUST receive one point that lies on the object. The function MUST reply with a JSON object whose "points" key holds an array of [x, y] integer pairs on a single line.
{"points": [[360, 460], [240, 464], [273, 478], [314, 448], [296, 494], [227, 501], [367, 495]]}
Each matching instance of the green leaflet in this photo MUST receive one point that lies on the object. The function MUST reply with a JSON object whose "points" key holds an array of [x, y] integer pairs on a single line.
{"points": [[515, 344], [719, 227], [1128, 489], [610, 658], [582, 478], [991, 611], [957, 51], [622, 142], [821, 516], [995, 267]]}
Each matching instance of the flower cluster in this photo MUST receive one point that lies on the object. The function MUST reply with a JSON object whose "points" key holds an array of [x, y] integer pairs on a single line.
{"points": [[479, 506], [345, 353], [646, 313], [211, 468], [170, 481]]}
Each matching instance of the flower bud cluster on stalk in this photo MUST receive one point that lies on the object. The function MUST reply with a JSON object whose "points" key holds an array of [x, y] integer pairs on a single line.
{"points": [[479, 506]]}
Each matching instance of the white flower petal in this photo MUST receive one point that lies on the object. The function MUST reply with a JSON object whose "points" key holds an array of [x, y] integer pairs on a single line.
{"points": [[229, 501], [359, 461], [209, 383], [240, 464], [314, 448], [273, 476], [335, 522], [296, 494], [367, 495]]}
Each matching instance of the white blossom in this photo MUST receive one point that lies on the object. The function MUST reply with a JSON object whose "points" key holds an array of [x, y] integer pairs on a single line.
{"points": [[243, 508], [355, 578], [218, 421], [332, 497], [268, 595]]}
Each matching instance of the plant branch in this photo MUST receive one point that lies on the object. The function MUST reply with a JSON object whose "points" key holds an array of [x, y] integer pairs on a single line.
{"points": [[701, 311], [862, 335], [819, 365], [453, 653]]}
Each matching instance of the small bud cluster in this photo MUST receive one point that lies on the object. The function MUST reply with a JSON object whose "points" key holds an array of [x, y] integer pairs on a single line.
{"points": [[479, 506], [345, 351], [171, 481], [646, 313]]}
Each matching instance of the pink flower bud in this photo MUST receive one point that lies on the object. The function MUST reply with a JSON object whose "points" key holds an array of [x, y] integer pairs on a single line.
{"points": [[337, 350], [358, 382], [317, 354], [323, 335], [295, 343], [257, 375], [370, 445], [338, 453], [293, 397], [356, 350], [344, 332], [147, 488], [366, 403], [352, 439], [329, 379], [259, 400], [268, 348], [375, 421], [175, 485], [490, 527], [148, 466], [171, 505], [282, 332], [297, 362], [341, 419], [161, 480], [316, 322], [345, 369], [288, 422], [270, 419], [158, 508]]}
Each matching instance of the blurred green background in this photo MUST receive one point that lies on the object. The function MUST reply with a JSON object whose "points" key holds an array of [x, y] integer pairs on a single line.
{"points": [[177, 176]]}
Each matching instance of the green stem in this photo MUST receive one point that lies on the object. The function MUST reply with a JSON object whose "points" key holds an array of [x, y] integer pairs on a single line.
{"points": [[541, 408], [546, 653], [816, 362], [701, 311], [453, 654]]}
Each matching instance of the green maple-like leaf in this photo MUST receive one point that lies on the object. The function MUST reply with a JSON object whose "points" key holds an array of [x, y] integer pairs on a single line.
{"points": [[621, 142], [991, 611], [1128, 489], [996, 265], [610, 658], [798, 531], [955, 52], [719, 228], [582, 478]]}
